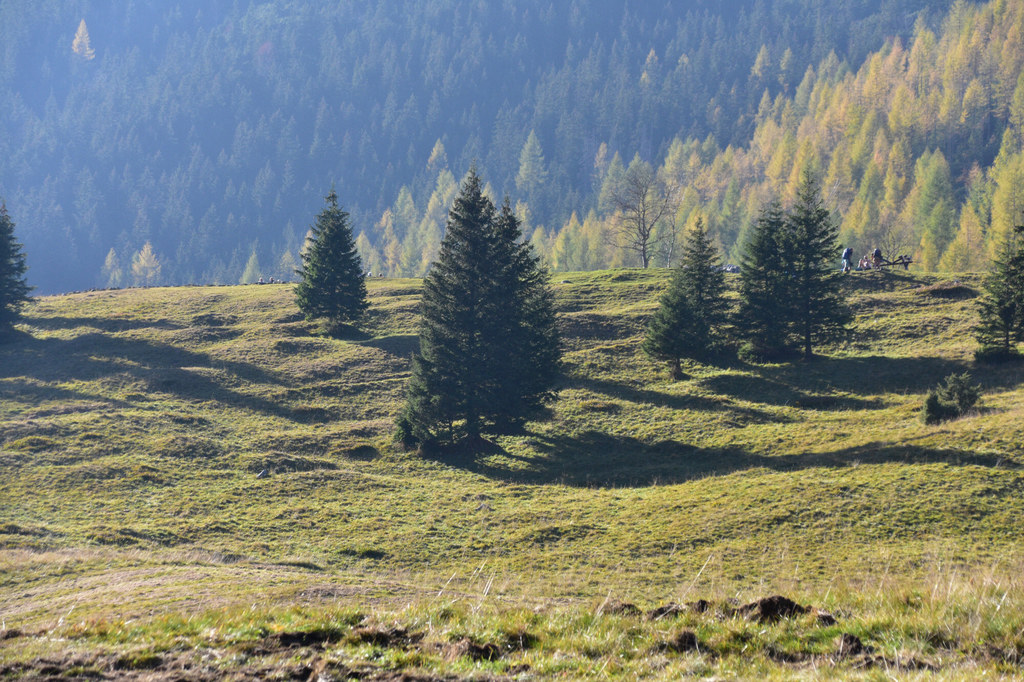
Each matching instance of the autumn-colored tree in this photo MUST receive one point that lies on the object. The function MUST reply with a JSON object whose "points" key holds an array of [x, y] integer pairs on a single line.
{"points": [[80, 45], [146, 267]]}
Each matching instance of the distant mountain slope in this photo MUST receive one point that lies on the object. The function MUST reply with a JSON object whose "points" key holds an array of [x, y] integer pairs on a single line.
{"points": [[212, 131], [920, 150]]}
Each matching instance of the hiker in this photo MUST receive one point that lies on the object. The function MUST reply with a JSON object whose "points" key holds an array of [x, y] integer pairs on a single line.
{"points": [[876, 257], [847, 255]]}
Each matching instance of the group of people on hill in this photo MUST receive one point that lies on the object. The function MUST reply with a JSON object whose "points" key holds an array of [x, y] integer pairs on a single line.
{"points": [[871, 261], [868, 262]]}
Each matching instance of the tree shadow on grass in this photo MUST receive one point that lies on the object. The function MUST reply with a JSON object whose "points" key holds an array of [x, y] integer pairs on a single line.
{"points": [[768, 389], [110, 325], [158, 368], [815, 384], [645, 396], [600, 460], [400, 345], [20, 390]]}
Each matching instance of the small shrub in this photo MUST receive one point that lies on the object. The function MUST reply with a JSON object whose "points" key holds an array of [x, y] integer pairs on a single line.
{"points": [[757, 354], [951, 400], [996, 355]]}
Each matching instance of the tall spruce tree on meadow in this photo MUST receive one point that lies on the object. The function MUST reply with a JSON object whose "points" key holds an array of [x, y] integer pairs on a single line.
{"points": [[1001, 307], [14, 288], [818, 306], [763, 318], [526, 370], [332, 287], [489, 351], [691, 318]]}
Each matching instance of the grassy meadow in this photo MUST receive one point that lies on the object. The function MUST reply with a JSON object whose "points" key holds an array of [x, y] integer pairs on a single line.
{"points": [[194, 484]]}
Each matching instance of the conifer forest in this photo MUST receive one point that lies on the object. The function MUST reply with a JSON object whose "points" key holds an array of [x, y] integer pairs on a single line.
{"points": [[186, 142]]}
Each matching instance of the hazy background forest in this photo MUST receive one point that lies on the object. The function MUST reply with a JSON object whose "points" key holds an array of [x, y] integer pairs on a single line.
{"points": [[195, 142]]}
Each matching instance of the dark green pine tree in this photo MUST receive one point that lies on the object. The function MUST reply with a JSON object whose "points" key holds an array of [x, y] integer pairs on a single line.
{"points": [[1001, 308], [332, 287], [818, 306], [526, 367], [763, 317], [14, 289], [488, 348], [693, 313]]}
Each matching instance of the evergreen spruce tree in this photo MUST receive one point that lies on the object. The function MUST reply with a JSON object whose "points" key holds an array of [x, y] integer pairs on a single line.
{"points": [[693, 312], [13, 288], [332, 286], [526, 367], [763, 317], [1001, 308], [488, 347], [818, 308]]}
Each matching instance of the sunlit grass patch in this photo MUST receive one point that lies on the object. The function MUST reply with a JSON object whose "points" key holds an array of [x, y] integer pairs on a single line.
{"points": [[179, 454]]}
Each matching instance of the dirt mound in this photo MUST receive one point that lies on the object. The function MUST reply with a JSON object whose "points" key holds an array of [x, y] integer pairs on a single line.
{"points": [[618, 608], [390, 638], [850, 645], [185, 666], [669, 610], [302, 638], [684, 640], [824, 617], [520, 640], [465, 647], [699, 606], [772, 609], [953, 290]]}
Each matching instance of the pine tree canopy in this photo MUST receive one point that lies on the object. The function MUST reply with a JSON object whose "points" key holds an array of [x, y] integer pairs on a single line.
{"points": [[14, 289], [763, 318], [818, 309], [1001, 308], [489, 350], [692, 314], [332, 285]]}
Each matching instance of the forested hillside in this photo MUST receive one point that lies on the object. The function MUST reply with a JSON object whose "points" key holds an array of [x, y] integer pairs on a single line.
{"points": [[919, 150], [210, 133]]}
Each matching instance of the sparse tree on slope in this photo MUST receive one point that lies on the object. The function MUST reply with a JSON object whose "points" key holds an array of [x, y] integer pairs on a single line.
{"points": [[642, 202], [818, 306], [531, 360], [690, 321], [80, 45], [1001, 308], [13, 288], [146, 267], [763, 318], [332, 286], [488, 347]]}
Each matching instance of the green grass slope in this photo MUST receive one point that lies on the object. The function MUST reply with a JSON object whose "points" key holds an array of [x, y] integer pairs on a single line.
{"points": [[196, 460]]}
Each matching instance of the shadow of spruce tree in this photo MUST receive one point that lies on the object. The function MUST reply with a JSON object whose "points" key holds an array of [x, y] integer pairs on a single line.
{"points": [[594, 459]]}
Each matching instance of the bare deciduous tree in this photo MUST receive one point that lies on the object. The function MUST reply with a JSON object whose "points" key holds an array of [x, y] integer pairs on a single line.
{"points": [[641, 202], [895, 239]]}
